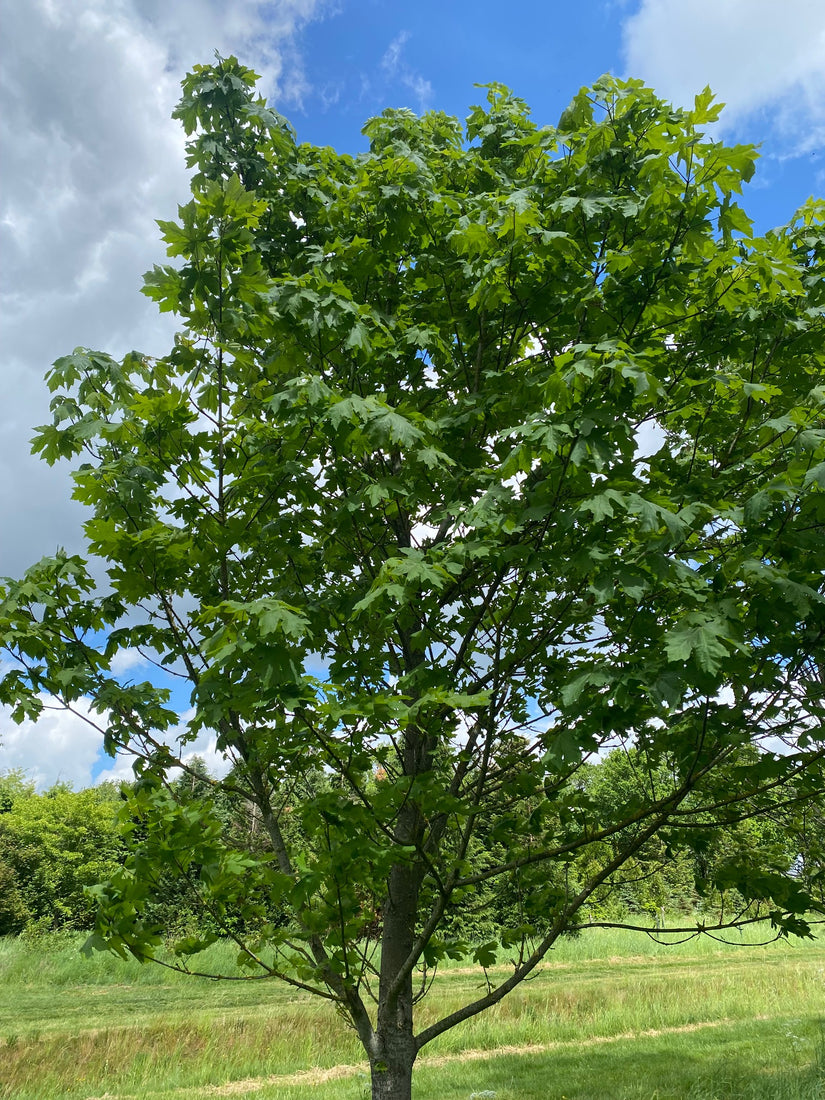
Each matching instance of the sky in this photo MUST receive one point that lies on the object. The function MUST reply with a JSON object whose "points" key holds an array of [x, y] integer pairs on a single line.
{"points": [[89, 158]]}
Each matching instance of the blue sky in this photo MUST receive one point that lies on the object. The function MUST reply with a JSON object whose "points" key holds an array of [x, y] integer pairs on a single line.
{"points": [[91, 159], [366, 56]]}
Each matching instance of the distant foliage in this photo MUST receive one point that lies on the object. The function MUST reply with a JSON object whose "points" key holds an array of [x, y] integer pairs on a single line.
{"points": [[53, 846], [56, 847]]}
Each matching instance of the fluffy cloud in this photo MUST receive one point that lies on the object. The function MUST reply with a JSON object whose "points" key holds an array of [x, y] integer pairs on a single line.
{"points": [[60, 746], [755, 54], [125, 660], [67, 746], [91, 158]]}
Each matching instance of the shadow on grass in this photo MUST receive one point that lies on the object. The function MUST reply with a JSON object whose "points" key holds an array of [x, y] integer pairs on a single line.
{"points": [[771, 1060]]}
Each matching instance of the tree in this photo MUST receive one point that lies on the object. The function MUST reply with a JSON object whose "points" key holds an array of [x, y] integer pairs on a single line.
{"points": [[477, 454], [53, 847], [661, 877], [13, 911], [13, 786]]}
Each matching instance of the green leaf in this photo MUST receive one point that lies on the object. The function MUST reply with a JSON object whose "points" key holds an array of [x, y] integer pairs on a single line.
{"points": [[705, 641], [486, 954]]}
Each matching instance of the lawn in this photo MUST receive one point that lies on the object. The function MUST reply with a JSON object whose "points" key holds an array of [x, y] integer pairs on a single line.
{"points": [[611, 1016]]}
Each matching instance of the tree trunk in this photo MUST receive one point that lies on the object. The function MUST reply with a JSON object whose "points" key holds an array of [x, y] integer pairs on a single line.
{"points": [[391, 1075], [394, 1050]]}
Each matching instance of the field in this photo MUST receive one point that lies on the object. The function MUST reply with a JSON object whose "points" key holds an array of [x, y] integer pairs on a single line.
{"points": [[612, 1016]]}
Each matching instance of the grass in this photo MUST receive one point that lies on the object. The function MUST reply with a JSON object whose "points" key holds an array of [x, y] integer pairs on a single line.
{"points": [[610, 1017]]}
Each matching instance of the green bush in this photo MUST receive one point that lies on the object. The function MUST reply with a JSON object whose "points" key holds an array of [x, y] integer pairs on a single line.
{"points": [[52, 847]]}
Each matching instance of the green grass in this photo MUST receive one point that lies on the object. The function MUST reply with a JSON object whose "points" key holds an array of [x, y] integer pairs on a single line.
{"points": [[611, 1016]]}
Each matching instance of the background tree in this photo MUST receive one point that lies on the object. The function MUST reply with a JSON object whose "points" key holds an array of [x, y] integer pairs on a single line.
{"points": [[477, 454], [663, 878], [13, 911], [53, 846], [13, 786]]}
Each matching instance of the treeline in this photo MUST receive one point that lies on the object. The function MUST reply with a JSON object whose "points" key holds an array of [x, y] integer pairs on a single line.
{"points": [[55, 847]]}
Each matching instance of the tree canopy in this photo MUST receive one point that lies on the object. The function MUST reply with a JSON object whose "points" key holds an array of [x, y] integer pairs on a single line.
{"points": [[477, 455]]}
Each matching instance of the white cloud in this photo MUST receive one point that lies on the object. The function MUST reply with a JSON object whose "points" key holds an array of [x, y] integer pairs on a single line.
{"points": [[755, 54], [90, 159], [205, 747], [67, 746], [59, 747], [125, 660], [391, 60], [396, 69], [260, 32], [649, 440]]}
